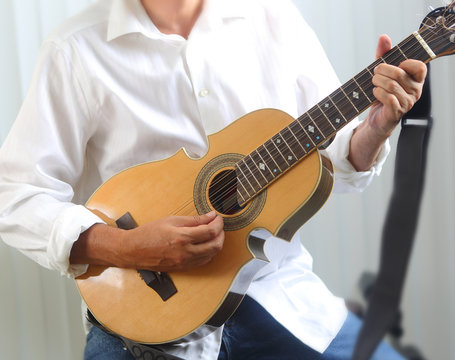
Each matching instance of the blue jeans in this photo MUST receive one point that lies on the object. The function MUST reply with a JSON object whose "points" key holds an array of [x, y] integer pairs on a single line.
{"points": [[251, 333]]}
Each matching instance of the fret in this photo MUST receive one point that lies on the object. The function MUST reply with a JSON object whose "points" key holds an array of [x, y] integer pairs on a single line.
{"points": [[402, 53], [344, 105], [416, 46], [371, 68], [241, 190], [356, 95], [268, 160], [253, 179], [246, 184], [263, 164], [279, 152], [365, 80], [319, 118], [266, 165], [297, 131], [284, 149], [314, 116], [265, 174], [395, 56], [333, 113], [290, 143], [358, 84], [326, 106], [277, 164], [311, 130], [308, 143]]}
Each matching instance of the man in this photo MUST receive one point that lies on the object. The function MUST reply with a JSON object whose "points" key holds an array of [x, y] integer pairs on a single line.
{"points": [[131, 81]]}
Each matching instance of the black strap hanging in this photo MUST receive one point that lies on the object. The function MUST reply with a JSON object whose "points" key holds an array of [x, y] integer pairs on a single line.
{"points": [[399, 227]]}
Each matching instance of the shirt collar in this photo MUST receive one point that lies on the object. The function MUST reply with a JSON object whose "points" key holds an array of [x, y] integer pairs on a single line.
{"points": [[129, 16], [126, 17]]}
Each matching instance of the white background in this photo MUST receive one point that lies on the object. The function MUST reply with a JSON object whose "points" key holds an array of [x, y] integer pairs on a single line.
{"points": [[40, 311]]}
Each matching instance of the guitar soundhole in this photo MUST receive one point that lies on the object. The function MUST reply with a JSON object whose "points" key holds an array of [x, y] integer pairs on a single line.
{"points": [[223, 193]]}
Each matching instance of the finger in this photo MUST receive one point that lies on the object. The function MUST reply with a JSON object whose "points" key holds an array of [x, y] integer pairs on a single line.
{"points": [[194, 262], [205, 233], [384, 45], [416, 69], [394, 105], [208, 248], [197, 220], [396, 80]]}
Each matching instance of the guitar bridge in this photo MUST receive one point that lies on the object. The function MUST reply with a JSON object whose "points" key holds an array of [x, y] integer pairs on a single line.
{"points": [[158, 281]]}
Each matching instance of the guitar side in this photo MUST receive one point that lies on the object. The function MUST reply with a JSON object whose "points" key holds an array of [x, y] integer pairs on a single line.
{"points": [[122, 302]]}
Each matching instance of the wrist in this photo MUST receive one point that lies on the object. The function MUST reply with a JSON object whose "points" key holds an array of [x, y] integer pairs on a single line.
{"points": [[365, 145], [100, 245]]}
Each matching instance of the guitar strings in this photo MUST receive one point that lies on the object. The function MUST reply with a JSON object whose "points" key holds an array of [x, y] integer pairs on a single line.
{"points": [[277, 151], [274, 153], [232, 185], [414, 50]]}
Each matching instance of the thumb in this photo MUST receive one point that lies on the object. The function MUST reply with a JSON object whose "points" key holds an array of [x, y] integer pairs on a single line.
{"points": [[384, 45]]}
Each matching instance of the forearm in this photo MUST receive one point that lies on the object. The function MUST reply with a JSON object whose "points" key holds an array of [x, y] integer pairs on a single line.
{"points": [[365, 146], [100, 245], [170, 243], [396, 90]]}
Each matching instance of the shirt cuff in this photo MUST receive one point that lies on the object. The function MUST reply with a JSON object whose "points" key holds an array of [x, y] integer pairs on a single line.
{"points": [[69, 225], [347, 178]]}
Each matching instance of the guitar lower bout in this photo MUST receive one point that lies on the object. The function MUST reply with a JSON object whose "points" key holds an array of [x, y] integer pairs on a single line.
{"points": [[205, 296]]}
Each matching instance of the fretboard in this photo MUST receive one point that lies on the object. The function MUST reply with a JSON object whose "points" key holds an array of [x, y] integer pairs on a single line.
{"points": [[285, 149]]}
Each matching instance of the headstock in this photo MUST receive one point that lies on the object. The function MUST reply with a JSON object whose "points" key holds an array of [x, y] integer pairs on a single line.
{"points": [[438, 30]]}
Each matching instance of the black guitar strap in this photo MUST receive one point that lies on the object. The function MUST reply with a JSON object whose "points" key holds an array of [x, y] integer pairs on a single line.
{"points": [[399, 227]]}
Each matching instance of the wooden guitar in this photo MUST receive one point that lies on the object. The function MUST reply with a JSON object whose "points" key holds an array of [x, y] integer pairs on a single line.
{"points": [[276, 183]]}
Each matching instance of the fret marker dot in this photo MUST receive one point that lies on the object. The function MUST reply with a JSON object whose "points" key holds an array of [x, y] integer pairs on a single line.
{"points": [[356, 95], [262, 166], [317, 137], [337, 121], [275, 170], [278, 141], [290, 158], [311, 129], [327, 106], [307, 145]]}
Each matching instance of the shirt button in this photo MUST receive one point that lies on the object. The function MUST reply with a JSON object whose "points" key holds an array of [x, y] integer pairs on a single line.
{"points": [[204, 93]]}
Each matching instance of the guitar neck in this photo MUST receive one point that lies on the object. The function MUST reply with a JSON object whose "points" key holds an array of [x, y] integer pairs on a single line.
{"points": [[277, 155]]}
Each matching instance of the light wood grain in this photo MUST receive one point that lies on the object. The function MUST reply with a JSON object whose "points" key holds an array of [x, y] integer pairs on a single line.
{"points": [[121, 301]]}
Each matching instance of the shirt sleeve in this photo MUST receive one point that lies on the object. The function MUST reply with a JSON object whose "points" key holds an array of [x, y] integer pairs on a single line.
{"points": [[316, 79], [347, 178], [41, 161]]}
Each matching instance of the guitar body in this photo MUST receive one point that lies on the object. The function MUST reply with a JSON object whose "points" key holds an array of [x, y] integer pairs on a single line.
{"points": [[119, 298]]}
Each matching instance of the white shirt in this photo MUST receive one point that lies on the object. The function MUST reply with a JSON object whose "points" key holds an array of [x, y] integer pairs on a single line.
{"points": [[110, 91]]}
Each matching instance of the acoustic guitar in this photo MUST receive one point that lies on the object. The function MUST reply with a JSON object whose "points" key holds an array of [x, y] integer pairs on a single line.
{"points": [[277, 183]]}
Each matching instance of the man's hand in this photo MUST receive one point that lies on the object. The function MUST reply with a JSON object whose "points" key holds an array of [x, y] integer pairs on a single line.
{"points": [[171, 243], [176, 242], [397, 89]]}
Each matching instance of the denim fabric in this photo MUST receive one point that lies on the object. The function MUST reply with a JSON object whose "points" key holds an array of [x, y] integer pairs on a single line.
{"points": [[102, 346], [253, 334]]}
